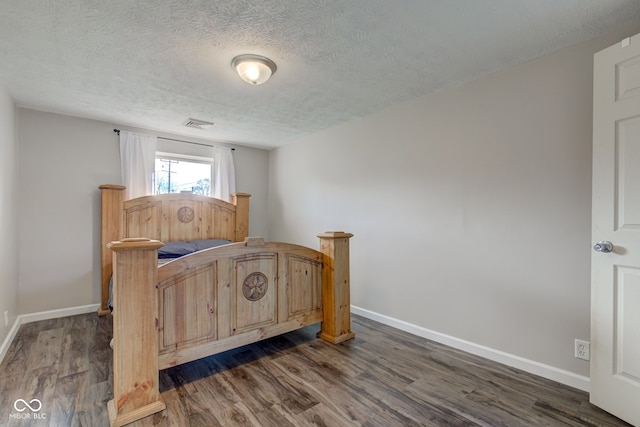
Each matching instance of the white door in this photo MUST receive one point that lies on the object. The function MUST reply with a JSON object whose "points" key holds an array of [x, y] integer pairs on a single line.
{"points": [[615, 275]]}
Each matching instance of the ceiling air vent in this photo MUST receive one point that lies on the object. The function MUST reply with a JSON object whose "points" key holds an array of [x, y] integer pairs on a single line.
{"points": [[197, 124]]}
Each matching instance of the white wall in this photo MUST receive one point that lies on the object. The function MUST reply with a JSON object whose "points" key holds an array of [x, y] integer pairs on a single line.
{"points": [[8, 213], [470, 208], [63, 160]]}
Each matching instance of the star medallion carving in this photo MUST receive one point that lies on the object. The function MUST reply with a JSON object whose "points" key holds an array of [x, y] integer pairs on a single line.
{"points": [[255, 286]]}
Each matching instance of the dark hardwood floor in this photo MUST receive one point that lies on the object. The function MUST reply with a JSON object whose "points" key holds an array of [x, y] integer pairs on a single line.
{"points": [[384, 377]]}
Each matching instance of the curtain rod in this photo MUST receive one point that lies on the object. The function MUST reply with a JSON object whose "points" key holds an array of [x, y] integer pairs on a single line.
{"points": [[179, 140]]}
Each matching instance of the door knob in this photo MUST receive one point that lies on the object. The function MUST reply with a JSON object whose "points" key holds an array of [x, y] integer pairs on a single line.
{"points": [[603, 246]]}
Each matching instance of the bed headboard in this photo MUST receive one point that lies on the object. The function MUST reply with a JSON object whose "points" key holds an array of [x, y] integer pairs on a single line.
{"points": [[167, 217]]}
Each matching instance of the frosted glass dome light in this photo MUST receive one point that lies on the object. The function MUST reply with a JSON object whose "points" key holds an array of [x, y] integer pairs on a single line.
{"points": [[253, 69]]}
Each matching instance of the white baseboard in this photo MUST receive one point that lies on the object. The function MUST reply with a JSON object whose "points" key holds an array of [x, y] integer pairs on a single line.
{"points": [[54, 314], [43, 315], [9, 338], [546, 371]]}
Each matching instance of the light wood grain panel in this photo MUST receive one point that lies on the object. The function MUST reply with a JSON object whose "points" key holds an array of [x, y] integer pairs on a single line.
{"points": [[225, 297], [212, 218], [223, 223], [187, 308], [256, 290], [144, 220], [184, 220], [304, 285]]}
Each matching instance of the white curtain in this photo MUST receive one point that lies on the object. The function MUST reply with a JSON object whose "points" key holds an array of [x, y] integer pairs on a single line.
{"points": [[137, 161], [224, 176]]}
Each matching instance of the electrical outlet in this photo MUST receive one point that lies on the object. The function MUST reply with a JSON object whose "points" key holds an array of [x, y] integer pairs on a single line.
{"points": [[6, 318], [582, 350]]}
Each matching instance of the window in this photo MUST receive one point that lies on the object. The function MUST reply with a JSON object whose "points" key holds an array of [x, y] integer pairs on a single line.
{"points": [[175, 173]]}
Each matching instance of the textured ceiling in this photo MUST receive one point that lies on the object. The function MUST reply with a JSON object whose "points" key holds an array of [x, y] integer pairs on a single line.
{"points": [[153, 64]]}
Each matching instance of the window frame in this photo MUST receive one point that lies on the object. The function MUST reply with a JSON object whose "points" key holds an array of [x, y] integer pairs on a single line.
{"points": [[164, 155]]}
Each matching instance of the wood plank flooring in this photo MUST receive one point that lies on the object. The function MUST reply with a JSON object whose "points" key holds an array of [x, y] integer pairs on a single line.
{"points": [[384, 377]]}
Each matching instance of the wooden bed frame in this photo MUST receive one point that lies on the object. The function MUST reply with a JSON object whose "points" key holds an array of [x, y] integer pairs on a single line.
{"points": [[168, 218], [209, 301]]}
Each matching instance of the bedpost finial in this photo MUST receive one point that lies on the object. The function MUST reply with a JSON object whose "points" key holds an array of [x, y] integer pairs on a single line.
{"points": [[335, 235]]}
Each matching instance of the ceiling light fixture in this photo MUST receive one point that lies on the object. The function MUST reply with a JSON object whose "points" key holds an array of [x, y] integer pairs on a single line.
{"points": [[253, 69]]}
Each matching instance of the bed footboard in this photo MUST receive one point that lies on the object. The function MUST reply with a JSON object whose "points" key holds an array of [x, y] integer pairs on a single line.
{"points": [[215, 300]]}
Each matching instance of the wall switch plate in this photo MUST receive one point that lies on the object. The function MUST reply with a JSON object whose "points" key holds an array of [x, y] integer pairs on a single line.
{"points": [[6, 318], [582, 350]]}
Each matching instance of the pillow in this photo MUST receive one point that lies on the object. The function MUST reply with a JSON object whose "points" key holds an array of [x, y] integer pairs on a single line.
{"points": [[211, 243], [176, 249]]}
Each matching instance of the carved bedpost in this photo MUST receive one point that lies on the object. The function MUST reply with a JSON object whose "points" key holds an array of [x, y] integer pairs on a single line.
{"points": [[241, 201], [336, 302], [112, 199], [136, 391]]}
